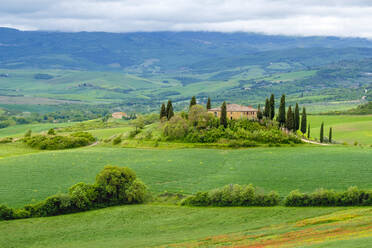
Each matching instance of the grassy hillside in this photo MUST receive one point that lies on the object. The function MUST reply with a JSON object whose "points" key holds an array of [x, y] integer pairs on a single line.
{"points": [[19, 130], [172, 226], [346, 128], [32, 177]]}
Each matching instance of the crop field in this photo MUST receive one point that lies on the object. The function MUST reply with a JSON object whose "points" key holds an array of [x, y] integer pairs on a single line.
{"points": [[174, 226], [346, 128], [34, 176]]}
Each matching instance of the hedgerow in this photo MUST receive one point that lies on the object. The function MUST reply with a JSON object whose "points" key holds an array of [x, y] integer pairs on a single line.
{"points": [[56, 142], [232, 195], [114, 186], [322, 197]]}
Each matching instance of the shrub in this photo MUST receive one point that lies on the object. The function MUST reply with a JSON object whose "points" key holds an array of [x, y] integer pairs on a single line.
{"points": [[6, 213], [117, 140], [84, 196], [53, 205], [51, 132], [232, 195], [176, 128]]}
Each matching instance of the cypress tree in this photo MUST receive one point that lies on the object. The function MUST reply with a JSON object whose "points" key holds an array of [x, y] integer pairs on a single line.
{"points": [[281, 114], [289, 121], [163, 111], [296, 118], [209, 106], [303, 121], [267, 109], [169, 110], [272, 107], [308, 131], [223, 118], [259, 113], [330, 135], [193, 101], [321, 133]]}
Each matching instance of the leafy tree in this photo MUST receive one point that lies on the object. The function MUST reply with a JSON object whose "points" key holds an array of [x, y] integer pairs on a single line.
{"points": [[198, 116], [303, 121], [321, 133], [281, 115], [139, 123], [28, 133], [120, 185], [51, 132], [267, 109], [308, 131], [163, 111], [296, 118], [209, 106], [223, 119], [192, 102], [330, 135], [169, 110], [272, 107], [289, 121], [176, 128], [259, 113]]}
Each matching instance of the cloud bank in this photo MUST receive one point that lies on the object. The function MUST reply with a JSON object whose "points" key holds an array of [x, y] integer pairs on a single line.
{"points": [[289, 17]]}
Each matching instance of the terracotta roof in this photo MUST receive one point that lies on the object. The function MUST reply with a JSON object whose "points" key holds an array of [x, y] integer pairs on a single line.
{"points": [[119, 113], [235, 108]]}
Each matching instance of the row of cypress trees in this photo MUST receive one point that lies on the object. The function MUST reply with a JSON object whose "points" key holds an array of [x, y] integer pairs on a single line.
{"points": [[321, 136], [290, 119], [167, 112]]}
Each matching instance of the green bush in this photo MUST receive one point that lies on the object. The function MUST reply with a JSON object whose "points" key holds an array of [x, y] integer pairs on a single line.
{"points": [[117, 140], [6, 213], [53, 205], [51, 132], [56, 142], [84, 196], [352, 197], [232, 195]]}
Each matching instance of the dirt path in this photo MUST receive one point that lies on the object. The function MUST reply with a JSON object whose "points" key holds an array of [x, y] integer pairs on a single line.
{"points": [[94, 144], [313, 142]]}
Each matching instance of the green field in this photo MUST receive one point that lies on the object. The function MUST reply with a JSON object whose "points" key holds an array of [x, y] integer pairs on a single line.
{"points": [[346, 128], [20, 130], [155, 225], [32, 177]]}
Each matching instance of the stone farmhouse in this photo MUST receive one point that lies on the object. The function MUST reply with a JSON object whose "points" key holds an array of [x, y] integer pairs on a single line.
{"points": [[119, 115], [236, 111]]}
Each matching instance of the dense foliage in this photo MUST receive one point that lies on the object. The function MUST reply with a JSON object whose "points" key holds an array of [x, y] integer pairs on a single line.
{"points": [[199, 126], [232, 195], [322, 197], [114, 186], [56, 142]]}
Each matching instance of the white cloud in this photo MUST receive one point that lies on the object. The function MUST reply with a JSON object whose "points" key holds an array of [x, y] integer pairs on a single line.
{"points": [[290, 17]]}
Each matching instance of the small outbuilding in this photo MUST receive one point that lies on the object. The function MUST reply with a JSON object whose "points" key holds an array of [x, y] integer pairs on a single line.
{"points": [[236, 111]]}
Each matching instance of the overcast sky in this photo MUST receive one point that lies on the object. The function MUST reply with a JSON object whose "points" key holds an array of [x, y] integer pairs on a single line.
{"points": [[290, 17]]}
